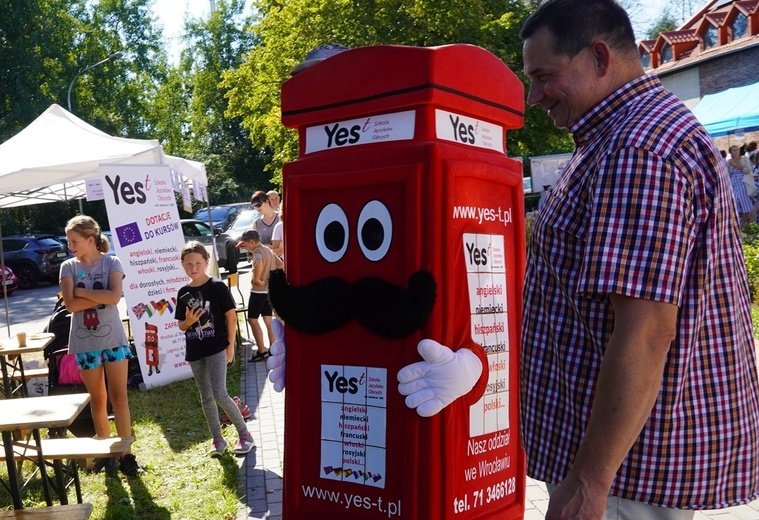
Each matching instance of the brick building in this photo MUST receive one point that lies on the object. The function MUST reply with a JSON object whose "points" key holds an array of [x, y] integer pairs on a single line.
{"points": [[716, 50]]}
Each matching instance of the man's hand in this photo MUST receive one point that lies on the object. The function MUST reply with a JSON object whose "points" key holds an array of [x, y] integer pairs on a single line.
{"points": [[575, 500], [276, 362], [443, 377]]}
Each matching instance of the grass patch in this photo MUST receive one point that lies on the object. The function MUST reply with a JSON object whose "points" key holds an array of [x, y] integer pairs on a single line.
{"points": [[171, 441]]}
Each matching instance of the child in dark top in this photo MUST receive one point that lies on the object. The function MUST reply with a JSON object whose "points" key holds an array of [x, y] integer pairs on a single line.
{"points": [[206, 313]]}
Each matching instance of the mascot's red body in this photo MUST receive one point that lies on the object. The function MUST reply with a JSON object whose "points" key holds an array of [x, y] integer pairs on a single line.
{"points": [[404, 223]]}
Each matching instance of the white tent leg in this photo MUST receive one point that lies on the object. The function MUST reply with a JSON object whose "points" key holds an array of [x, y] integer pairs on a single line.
{"points": [[5, 289]]}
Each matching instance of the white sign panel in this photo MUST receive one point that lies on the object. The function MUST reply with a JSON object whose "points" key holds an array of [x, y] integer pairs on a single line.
{"points": [[366, 130], [94, 189], [148, 240], [469, 131], [489, 320], [353, 444]]}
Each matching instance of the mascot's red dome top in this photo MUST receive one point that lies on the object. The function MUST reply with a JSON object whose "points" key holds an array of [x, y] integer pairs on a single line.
{"points": [[373, 79]]}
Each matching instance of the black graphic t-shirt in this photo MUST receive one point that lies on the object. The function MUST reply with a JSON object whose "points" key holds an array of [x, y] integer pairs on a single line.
{"points": [[208, 336]]}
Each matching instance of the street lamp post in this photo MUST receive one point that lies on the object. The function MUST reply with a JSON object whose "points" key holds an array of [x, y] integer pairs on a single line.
{"points": [[116, 55]]}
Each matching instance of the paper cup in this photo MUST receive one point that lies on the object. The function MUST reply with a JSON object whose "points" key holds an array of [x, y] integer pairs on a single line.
{"points": [[21, 337]]}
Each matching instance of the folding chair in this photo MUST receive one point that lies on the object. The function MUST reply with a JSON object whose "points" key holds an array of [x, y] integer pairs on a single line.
{"points": [[233, 280]]}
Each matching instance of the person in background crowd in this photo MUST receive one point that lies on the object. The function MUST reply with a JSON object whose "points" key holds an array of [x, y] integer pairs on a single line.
{"points": [[263, 261], [743, 193], [269, 217], [751, 149], [91, 283], [206, 314], [639, 384], [277, 236], [274, 199], [744, 158], [544, 195]]}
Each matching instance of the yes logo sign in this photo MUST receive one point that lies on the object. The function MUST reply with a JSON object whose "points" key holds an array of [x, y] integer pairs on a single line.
{"points": [[469, 131], [342, 384], [380, 128], [128, 192]]}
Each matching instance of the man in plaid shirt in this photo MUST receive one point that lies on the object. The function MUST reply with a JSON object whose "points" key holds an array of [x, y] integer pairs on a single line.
{"points": [[639, 382]]}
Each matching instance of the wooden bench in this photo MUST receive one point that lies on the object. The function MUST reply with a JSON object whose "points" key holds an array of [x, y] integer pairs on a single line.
{"points": [[19, 385], [29, 373], [72, 449], [72, 512]]}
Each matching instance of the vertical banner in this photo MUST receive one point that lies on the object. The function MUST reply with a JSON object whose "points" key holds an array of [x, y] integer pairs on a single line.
{"points": [[148, 240]]}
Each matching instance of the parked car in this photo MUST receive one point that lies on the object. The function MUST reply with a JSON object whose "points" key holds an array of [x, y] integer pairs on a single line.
{"points": [[243, 221], [226, 252], [222, 216], [9, 280], [33, 258], [108, 235]]}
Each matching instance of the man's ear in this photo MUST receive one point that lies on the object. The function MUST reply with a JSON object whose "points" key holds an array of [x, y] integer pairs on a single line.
{"points": [[602, 56]]}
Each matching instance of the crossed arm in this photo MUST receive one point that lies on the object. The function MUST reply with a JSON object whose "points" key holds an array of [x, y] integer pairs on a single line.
{"points": [[79, 299]]}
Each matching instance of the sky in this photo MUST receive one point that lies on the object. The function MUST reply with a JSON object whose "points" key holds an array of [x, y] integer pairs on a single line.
{"points": [[171, 13]]}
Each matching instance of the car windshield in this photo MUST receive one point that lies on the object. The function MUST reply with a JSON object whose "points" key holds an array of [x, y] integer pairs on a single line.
{"points": [[49, 242], [245, 220], [196, 229], [216, 214]]}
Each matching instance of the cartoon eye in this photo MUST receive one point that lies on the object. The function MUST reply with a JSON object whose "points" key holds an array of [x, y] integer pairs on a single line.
{"points": [[332, 233], [375, 230]]}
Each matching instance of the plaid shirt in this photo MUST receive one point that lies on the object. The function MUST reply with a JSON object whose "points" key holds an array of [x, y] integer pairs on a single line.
{"points": [[644, 209]]}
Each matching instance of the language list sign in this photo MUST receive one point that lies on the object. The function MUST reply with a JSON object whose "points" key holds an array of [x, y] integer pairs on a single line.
{"points": [[148, 240], [489, 474], [490, 328], [354, 418]]}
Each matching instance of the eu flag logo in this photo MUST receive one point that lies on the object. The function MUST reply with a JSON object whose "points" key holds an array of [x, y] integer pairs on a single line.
{"points": [[128, 234]]}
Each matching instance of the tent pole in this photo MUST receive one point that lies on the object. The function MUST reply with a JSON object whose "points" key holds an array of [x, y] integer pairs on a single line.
{"points": [[5, 289], [214, 262]]}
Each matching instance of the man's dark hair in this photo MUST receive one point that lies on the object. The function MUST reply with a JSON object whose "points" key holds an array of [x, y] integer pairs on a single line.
{"points": [[575, 24]]}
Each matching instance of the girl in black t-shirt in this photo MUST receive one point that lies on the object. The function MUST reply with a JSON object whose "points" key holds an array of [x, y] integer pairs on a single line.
{"points": [[206, 314]]}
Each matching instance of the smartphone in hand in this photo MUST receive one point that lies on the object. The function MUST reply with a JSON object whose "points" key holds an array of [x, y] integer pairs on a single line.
{"points": [[192, 303]]}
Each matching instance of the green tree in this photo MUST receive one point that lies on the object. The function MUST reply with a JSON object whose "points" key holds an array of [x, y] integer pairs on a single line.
{"points": [[666, 22], [34, 55], [117, 97], [288, 30], [192, 105], [43, 45]]}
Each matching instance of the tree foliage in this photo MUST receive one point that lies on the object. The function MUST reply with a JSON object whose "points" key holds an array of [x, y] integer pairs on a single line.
{"points": [[194, 104], [44, 45], [34, 58], [288, 30], [666, 22]]}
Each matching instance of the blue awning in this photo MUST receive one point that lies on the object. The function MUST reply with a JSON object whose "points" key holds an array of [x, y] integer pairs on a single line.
{"points": [[733, 109]]}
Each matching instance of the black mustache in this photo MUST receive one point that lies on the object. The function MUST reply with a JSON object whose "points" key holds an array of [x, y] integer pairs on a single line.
{"points": [[385, 309]]}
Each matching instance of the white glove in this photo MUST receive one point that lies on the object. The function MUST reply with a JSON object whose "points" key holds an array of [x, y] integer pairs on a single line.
{"points": [[443, 377], [276, 362]]}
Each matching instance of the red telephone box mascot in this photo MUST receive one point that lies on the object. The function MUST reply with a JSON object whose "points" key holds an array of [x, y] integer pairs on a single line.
{"points": [[404, 254]]}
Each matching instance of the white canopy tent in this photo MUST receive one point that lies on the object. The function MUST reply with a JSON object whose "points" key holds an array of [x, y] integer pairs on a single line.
{"points": [[51, 159]]}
